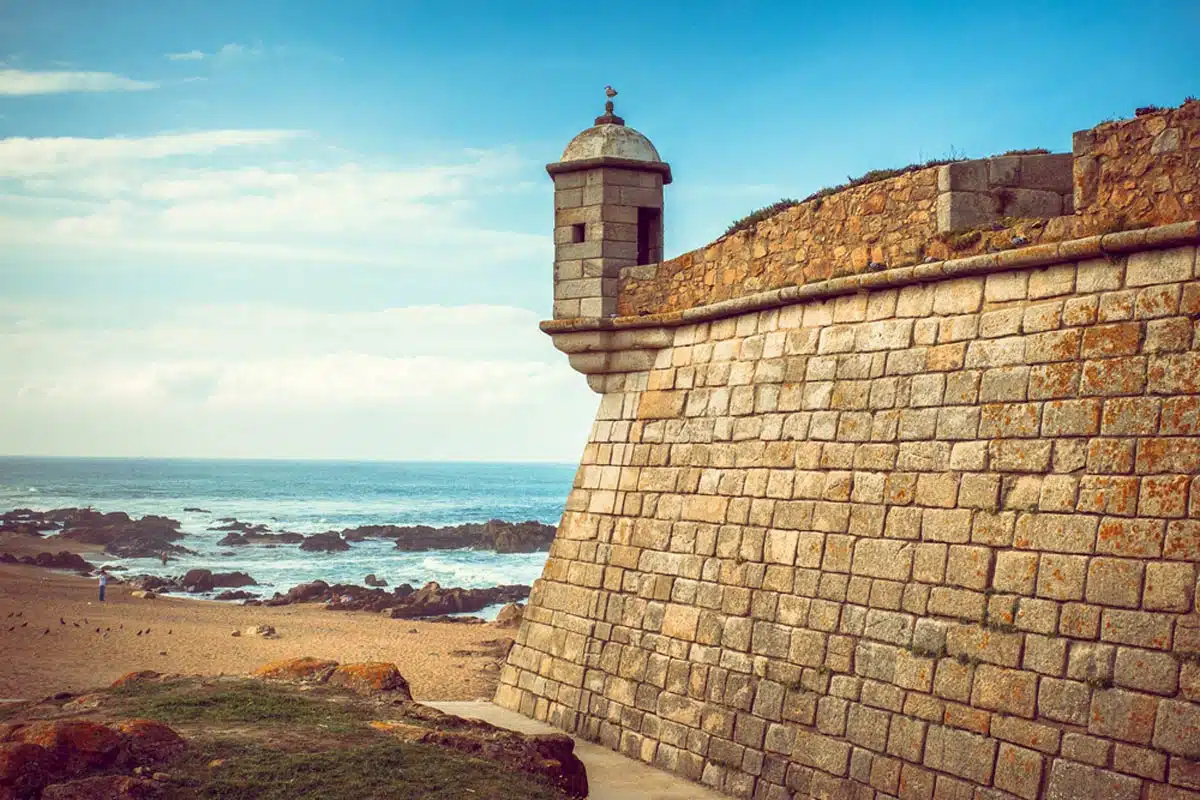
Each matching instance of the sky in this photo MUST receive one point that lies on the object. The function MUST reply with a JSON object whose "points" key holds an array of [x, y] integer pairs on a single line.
{"points": [[323, 230]]}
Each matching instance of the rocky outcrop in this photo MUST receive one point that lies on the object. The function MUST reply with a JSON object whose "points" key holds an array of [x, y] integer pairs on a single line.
{"points": [[56, 758], [60, 560], [203, 580], [194, 581], [234, 539], [432, 599], [372, 677], [117, 532], [231, 524], [503, 537], [305, 670], [402, 602], [235, 594], [373, 581], [328, 542]]}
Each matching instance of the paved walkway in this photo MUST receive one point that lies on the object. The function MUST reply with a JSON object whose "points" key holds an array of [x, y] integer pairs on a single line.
{"points": [[611, 776]]}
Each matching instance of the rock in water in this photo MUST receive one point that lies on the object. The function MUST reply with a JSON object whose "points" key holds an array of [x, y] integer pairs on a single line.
{"points": [[328, 542], [371, 580]]}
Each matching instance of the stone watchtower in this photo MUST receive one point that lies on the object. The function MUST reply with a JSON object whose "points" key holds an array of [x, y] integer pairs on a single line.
{"points": [[608, 204]]}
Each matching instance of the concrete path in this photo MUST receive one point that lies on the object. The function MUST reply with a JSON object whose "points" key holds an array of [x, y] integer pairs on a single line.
{"points": [[611, 776]]}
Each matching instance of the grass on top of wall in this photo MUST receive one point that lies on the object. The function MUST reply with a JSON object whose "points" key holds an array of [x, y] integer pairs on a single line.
{"points": [[752, 219]]}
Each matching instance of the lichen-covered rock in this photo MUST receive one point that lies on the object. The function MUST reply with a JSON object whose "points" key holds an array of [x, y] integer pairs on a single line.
{"points": [[25, 768], [130, 678], [77, 745], [306, 668], [149, 742], [371, 677]]}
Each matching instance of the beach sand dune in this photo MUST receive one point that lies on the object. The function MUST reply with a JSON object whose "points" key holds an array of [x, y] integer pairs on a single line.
{"points": [[194, 636]]}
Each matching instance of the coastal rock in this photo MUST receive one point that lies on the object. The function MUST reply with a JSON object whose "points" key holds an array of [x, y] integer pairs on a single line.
{"points": [[432, 600], [203, 580], [498, 535], [234, 539], [142, 594], [304, 669], [77, 746], [119, 534], [195, 510], [510, 616], [370, 678], [402, 602], [25, 521], [328, 542], [371, 580], [25, 768], [306, 592], [60, 560], [231, 524], [235, 594]]}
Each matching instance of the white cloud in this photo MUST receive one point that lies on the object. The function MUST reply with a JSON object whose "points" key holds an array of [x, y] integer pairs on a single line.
{"points": [[226, 52], [20, 156], [133, 194], [18, 82], [423, 381]]}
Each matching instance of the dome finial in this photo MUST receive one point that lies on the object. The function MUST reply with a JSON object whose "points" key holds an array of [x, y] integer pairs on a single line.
{"points": [[609, 117]]}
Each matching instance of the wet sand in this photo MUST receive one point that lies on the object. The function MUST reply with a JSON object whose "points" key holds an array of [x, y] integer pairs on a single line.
{"points": [[194, 636]]}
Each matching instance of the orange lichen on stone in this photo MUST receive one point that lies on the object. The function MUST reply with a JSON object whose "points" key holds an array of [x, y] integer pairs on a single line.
{"points": [[78, 745], [130, 678], [305, 668], [370, 677]]}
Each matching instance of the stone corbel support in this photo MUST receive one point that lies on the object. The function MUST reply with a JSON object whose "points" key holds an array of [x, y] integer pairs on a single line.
{"points": [[599, 354]]}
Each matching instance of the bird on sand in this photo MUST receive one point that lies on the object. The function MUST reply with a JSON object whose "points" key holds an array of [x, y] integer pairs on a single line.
{"points": [[610, 92], [62, 621]]}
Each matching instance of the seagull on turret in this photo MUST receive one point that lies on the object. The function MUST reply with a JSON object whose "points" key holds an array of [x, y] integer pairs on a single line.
{"points": [[610, 92]]}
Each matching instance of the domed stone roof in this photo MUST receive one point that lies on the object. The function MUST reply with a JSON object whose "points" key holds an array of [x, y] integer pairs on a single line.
{"points": [[609, 142], [613, 140]]}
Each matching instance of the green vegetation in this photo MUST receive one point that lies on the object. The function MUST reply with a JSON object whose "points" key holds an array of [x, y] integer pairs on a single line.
{"points": [[249, 739], [257, 703], [874, 176], [384, 770], [1032, 151]]}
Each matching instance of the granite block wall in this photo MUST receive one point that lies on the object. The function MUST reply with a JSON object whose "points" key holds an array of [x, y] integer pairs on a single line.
{"points": [[937, 540], [1121, 175]]}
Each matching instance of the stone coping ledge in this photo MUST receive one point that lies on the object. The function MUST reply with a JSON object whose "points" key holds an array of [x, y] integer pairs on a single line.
{"points": [[560, 167], [1175, 234]]}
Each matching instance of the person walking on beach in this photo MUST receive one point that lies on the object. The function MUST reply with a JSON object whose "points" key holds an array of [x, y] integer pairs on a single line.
{"points": [[103, 583]]}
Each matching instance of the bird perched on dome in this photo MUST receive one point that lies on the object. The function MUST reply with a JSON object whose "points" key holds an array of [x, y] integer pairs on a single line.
{"points": [[610, 92]]}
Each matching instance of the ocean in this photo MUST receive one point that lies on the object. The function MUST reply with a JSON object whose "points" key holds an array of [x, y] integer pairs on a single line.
{"points": [[306, 497]]}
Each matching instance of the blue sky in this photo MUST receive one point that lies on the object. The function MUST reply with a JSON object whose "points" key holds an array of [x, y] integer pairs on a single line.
{"points": [[313, 229]]}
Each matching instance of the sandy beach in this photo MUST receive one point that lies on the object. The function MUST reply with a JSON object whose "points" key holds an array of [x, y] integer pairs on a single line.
{"points": [[41, 655]]}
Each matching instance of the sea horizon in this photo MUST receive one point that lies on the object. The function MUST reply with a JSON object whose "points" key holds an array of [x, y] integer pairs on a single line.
{"points": [[304, 496]]}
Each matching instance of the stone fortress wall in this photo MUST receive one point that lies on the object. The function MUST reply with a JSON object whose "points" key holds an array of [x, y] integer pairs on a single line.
{"points": [[1144, 170], [925, 532]]}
